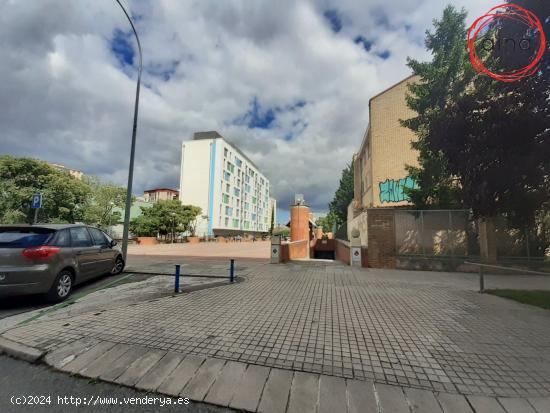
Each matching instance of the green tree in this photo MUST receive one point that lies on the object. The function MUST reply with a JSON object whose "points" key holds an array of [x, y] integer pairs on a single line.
{"points": [[164, 217], [272, 224], [442, 80], [100, 205], [495, 136], [144, 225], [338, 207], [281, 231], [322, 222], [20, 178]]}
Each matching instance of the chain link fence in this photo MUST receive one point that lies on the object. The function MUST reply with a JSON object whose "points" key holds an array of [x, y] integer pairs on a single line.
{"points": [[454, 234], [448, 233]]}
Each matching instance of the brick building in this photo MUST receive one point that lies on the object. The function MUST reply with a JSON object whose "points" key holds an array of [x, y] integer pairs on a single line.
{"points": [[380, 177], [160, 194]]}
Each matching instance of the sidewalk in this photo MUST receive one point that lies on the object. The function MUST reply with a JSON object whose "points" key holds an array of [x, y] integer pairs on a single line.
{"points": [[189, 266], [256, 388], [420, 337], [130, 289]]}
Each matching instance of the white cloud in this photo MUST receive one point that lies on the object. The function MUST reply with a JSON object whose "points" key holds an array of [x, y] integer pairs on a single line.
{"points": [[66, 98]]}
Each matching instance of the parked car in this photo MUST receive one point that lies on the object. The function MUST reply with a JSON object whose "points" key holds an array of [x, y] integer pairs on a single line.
{"points": [[52, 259]]}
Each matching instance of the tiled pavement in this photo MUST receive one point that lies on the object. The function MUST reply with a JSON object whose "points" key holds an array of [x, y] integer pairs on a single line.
{"points": [[417, 330], [254, 388], [213, 267]]}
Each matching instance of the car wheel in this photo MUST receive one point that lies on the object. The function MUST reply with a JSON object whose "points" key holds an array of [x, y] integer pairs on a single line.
{"points": [[118, 267], [62, 287]]}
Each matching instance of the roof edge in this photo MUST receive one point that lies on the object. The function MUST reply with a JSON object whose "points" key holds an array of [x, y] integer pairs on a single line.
{"points": [[392, 86]]}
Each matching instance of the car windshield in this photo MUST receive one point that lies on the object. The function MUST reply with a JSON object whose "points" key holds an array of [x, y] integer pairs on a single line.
{"points": [[23, 237]]}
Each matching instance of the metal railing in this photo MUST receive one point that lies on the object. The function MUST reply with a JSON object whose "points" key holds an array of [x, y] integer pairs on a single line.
{"points": [[499, 267]]}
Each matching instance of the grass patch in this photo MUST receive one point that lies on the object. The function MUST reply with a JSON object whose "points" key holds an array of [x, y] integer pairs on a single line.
{"points": [[537, 298]]}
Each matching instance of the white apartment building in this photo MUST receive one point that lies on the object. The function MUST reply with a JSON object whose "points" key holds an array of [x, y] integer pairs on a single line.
{"points": [[230, 189], [273, 210]]}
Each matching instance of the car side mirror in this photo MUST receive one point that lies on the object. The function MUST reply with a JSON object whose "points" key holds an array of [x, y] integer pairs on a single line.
{"points": [[113, 243]]}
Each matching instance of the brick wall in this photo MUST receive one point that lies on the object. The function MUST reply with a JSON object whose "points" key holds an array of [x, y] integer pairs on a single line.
{"points": [[342, 251], [381, 238], [298, 250], [386, 147], [364, 257], [285, 252]]}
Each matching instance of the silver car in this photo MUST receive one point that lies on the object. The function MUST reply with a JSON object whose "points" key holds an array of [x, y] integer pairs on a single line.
{"points": [[51, 259]]}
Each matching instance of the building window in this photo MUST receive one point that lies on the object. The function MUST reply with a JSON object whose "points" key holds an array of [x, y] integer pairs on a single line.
{"points": [[225, 198], [238, 162], [225, 152], [227, 188], [228, 211], [226, 176], [235, 223], [226, 222]]}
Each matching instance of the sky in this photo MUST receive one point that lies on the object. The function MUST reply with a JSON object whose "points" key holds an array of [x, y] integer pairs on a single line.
{"points": [[288, 82]]}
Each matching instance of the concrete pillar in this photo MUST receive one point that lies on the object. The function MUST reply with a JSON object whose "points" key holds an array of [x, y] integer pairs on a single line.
{"points": [[275, 249], [299, 223], [355, 249], [487, 240]]}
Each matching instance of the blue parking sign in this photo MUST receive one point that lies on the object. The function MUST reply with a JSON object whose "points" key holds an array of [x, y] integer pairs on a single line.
{"points": [[36, 201]]}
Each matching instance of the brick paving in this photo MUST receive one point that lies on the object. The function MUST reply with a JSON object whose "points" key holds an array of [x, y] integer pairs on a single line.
{"points": [[430, 331]]}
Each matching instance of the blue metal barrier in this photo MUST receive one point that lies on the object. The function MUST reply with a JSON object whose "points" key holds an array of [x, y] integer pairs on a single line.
{"points": [[177, 280]]}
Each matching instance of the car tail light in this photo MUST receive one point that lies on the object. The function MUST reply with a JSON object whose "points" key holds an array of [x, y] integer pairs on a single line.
{"points": [[40, 253]]}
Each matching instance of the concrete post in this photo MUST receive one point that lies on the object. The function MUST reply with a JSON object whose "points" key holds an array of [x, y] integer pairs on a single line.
{"points": [[355, 249], [276, 249]]}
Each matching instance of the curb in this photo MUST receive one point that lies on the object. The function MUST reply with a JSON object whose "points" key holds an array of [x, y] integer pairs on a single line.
{"points": [[20, 351]]}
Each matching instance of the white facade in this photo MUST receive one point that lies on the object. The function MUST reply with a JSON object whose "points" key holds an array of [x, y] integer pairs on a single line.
{"points": [[219, 178], [273, 210]]}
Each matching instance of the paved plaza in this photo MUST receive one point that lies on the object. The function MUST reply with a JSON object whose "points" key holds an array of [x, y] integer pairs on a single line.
{"points": [[423, 330]]}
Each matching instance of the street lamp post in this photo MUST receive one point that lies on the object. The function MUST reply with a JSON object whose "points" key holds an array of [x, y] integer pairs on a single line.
{"points": [[173, 226], [110, 229], [133, 146]]}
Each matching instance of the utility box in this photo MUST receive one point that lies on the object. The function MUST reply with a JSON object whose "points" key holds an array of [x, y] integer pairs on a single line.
{"points": [[355, 249], [275, 249]]}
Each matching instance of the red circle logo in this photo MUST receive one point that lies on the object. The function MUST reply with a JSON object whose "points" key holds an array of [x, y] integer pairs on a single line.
{"points": [[512, 12]]}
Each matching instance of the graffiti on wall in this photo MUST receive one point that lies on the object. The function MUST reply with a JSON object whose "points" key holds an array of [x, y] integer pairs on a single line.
{"points": [[393, 190]]}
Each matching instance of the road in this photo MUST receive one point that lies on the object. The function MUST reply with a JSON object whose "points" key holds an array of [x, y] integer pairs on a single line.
{"points": [[18, 378]]}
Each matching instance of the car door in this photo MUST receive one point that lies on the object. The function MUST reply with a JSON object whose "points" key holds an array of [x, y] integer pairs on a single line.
{"points": [[87, 255], [106, 254]]}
